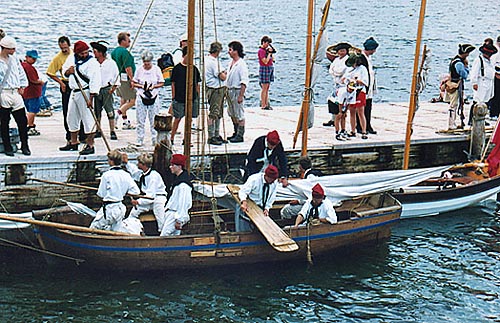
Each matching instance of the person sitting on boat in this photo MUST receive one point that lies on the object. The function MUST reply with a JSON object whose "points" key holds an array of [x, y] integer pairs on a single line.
{"points": [[267, 150], [317, 207], [114, 185], [306, 172], [151, 184], [260, 188], [180, 198]]}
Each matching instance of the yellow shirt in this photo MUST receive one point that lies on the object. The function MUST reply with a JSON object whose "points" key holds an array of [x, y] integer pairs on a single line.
{"points": [[57, 63]]}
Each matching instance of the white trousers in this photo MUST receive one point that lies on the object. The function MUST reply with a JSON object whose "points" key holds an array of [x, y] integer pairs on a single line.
{"points": [[143, 112], [79, 112], [158, 207]]}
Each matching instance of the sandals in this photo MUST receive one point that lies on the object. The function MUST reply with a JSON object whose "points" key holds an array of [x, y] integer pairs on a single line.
{"points": [[364, 135]]}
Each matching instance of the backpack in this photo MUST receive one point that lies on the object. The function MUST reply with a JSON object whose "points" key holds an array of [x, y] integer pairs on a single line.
{"points": [[166, 64]]}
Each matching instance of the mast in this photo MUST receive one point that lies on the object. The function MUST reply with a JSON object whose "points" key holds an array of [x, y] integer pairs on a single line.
{"points": [[413, 93], [189, 83]]}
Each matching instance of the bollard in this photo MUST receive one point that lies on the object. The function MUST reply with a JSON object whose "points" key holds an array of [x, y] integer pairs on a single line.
{"points": [[478, 132]]}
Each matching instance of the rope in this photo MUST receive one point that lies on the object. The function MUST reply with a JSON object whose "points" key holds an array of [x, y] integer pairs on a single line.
{"points": [[50, 253], [309, 252]]}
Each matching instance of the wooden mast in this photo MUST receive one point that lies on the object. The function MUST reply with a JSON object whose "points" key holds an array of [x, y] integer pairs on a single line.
{"points": [[189, 83], [413, 93]]}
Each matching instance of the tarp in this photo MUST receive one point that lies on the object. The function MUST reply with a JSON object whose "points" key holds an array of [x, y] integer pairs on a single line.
{"points": [[340, 187]]}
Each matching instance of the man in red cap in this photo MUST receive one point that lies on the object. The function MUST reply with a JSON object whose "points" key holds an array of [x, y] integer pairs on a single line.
{"points": [[317, 207], [179, 198], [260, 188], [84, 75], [267, 150]]}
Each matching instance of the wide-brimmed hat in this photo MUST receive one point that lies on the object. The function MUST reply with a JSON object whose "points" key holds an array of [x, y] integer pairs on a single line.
{"points": [[100, 45], [488, 49], [465, 48], [343, 45], [33, 54], [8, 42]]}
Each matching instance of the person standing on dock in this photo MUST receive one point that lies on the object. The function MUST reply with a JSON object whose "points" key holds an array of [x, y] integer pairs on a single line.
{"points": [[482, 77], [178, 106], [237, 82], [337, 70], [459, 71], [370, 47], [12, 84], [32, 94], [84, 75], [317, 207], [359, 77], [267, 150], [114, 185], [151, 184], [109, 82], [266, 70], [495, 101], [180, 198], [215, 78], [54, 71], [126, 66]]}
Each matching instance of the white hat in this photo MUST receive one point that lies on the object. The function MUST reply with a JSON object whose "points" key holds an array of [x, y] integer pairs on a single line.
{"points": [[184, 37], [8, 42]]}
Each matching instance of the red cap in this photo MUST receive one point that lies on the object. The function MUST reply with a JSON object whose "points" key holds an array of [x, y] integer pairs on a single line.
{"points": [[80, 46], [273, 138], [271, 172], [317, 191], [178, 159]]}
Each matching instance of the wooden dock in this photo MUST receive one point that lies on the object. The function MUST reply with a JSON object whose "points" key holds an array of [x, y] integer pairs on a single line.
{"points": [[383, 151]]}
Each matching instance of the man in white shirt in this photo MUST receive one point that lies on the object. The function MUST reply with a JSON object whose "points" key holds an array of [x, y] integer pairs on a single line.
{"points": [[317, 207], [180, 198], [260, 188], [237, 82], [482, 77], [151, 184], [337, 70], [114, 185], [215, 78], [13, 81], [109, 82], [84, 75]]}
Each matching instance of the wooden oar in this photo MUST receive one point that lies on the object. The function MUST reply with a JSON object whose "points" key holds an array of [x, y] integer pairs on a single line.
{"points": [[136, 196], [276, 237], [63, 226]]}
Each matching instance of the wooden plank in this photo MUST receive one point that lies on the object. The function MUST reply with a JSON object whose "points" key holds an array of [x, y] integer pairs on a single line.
{"points": [[276, 237], [203, 241], [200, 254]]}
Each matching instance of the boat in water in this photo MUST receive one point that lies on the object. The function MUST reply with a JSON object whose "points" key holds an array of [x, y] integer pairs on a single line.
{"points": [[209, 239]]}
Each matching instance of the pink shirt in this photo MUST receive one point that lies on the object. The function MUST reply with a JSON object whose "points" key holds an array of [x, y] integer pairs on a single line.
{"points": [[262, 54]]}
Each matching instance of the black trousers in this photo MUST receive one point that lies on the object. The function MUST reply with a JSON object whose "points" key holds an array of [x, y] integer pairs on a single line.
{"points": [[495, 101], [22, 125], [65, 103], [368, 117]]}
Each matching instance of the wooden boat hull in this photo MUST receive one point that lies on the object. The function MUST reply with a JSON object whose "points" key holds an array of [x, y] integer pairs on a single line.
{"points": [[432, 201], [211, 249]]}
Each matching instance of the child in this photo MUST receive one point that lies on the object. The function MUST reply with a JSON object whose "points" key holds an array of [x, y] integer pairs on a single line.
{"points": [[345, 95]]}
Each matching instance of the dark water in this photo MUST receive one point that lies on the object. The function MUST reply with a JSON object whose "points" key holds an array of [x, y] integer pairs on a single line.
{"points": [[438, 269]]}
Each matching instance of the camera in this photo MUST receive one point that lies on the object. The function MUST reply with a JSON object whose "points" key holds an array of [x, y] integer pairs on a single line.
{"points": [[271, 49]]}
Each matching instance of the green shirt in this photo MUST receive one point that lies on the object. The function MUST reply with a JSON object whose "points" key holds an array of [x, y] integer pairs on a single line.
{"points": [[123, 59]]}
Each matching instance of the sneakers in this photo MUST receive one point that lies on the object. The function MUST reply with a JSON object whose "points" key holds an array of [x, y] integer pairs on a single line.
{"points": [[69, 147], [33, 132], [113, 136], [339, 137], [352, 134], [87, 150], [127, 125]]}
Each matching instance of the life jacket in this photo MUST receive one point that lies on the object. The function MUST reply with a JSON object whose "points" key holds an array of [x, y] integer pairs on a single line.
{"points": [[166, 64]]}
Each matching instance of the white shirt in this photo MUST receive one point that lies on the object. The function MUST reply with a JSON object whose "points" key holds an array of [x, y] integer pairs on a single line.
{"points": [[344, 97], [212, 71], [115, 184], [337, 69], [486, 83], [371, 71], [237, 74], [153, 182], [109, 73], [253, 189], [90, 69], [180, 202], [151, 76], [177, 56], [325, 211], [17, 76], [358, 73]]}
